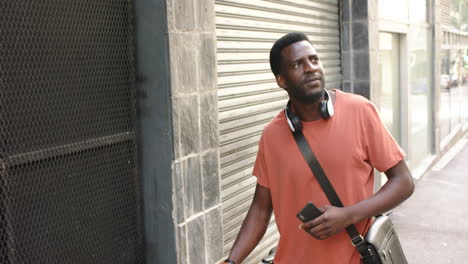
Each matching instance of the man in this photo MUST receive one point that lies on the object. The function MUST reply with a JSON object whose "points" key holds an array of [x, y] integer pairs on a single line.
{"points": [[349, 145]]}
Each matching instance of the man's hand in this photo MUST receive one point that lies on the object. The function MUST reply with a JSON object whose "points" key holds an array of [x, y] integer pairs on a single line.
{"points": [[399, 187], [332, 221]]}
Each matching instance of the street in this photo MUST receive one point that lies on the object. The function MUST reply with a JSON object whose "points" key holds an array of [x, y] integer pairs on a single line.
{"points": [[433, 224]]}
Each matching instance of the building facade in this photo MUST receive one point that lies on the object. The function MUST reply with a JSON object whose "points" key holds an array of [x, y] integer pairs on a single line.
{"points": [[129, 129]]}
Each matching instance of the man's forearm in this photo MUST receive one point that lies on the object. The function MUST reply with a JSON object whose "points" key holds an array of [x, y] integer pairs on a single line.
{"points": [[251, 232], [254, 226]]}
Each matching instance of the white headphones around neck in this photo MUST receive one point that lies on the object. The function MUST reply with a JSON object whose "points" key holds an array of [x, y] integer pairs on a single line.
{"points": [[326, 111]]}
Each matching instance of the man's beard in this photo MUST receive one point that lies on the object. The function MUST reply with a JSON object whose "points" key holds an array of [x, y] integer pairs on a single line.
{"points": [[299, 94]]}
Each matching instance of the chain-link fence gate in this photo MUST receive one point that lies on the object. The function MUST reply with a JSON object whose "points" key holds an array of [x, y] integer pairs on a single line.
{"points": [[68, 179]]}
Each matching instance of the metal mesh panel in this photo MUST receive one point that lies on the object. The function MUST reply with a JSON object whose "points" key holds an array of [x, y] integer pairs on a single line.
{"points": [[68, 179]]}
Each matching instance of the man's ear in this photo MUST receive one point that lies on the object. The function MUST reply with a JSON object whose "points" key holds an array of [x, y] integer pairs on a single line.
{"points": [[280, 81]]}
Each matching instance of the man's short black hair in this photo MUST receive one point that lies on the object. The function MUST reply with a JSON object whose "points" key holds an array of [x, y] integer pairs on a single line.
{"points": [[280, 44]]}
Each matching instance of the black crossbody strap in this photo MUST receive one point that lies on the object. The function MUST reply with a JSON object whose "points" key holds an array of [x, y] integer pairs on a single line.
{"points": [[356, 239], [317, 169]]}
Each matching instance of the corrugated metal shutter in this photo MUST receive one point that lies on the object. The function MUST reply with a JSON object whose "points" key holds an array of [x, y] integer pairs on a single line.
{"points": [[248, 94], [445, 12]]}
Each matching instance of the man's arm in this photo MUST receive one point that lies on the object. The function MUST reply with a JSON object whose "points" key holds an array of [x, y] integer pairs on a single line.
{"points": [[254, 226], [398, 188]]}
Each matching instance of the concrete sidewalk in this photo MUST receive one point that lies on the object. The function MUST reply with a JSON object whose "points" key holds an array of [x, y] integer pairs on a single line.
{"points": [[433, 224]]}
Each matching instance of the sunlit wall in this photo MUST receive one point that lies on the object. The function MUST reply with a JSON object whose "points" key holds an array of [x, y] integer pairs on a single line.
{"points": [[419, 64]]}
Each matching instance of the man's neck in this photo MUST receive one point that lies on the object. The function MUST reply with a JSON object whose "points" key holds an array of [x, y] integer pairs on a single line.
{"points": [[310, 111], [306, 111]]}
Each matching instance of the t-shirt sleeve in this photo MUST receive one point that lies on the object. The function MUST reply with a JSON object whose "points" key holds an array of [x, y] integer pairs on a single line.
{"points": [[260, 168], [382, 150]]}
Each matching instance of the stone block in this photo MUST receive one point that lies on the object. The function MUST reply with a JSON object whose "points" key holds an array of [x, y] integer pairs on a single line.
{"points": [[373, 7], [196, 240], [374, 66], [193, 186], [179, 192], [346, 65], [360, 36], [170, 15], [345, 10], [207, 62], [360, 66], [176, 126], [209, 120], [359, 10], [214, 236], [182, 244], [373, 36], [345, 40], [211, 179], [184, 14], [362, 88], [183, 59], [189, 124], [348, 87], [205, 15]]}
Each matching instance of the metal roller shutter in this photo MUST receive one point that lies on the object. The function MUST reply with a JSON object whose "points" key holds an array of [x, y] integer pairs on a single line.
{"points": [[445, 12], [248, 94]]}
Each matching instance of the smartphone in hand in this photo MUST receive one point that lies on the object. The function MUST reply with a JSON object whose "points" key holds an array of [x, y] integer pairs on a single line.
{"points": [[309, 212]]}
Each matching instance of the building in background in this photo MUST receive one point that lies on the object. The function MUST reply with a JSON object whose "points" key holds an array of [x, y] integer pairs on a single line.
{"points": [[453, 70], [200, 74]]}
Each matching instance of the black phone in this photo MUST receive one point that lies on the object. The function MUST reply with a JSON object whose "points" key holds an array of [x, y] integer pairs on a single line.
{"points": [[309, 212]]}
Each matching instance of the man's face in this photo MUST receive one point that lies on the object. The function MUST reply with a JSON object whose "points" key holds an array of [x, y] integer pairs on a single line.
{"points": [[301, 73]]}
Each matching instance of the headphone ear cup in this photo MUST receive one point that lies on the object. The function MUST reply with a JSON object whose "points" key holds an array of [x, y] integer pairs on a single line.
{"points": [[296, 122], [324, 109], [330, 109]]}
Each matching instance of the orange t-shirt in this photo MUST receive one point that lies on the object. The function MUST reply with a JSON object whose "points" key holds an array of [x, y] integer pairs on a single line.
{"points": [[348, 147]]}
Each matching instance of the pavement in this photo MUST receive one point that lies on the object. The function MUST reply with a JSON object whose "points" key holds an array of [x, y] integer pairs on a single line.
{"points": [[432, 224]]}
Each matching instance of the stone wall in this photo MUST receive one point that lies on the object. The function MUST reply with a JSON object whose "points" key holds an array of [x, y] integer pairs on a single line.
{"points": [[197, 203], [355, 49]]}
